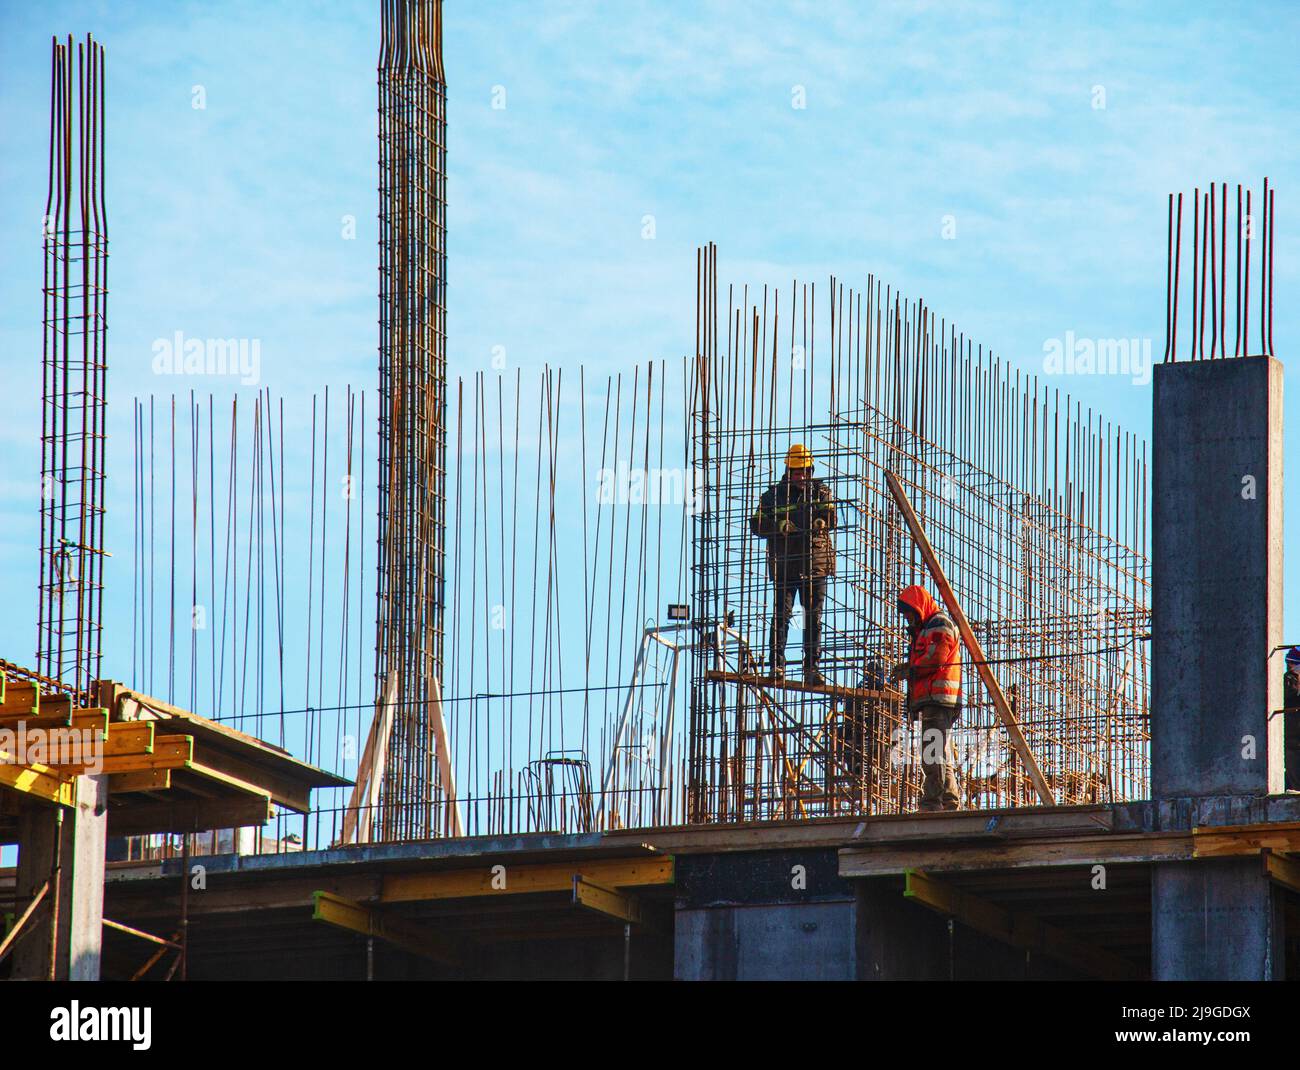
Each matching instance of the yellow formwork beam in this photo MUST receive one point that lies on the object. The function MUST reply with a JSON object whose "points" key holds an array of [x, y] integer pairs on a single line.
{"points": [[167, 752], [344, 913], [145, 780], [42, 781], [20, 697], [506, 878], [608, 901]]}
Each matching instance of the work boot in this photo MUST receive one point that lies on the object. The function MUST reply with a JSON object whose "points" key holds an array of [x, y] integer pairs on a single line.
{"points": [[777, 671], [812, 675]]}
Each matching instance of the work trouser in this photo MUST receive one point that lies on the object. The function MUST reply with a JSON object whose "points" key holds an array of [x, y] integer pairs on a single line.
{"points": [[1291, 749], [811, 591], [938, 775]]}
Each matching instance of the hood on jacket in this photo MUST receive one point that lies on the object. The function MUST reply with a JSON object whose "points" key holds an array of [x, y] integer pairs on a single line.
{"points": [[919, 599]]}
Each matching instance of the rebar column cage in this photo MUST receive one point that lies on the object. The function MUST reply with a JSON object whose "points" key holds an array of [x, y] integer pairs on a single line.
{"points": [[74, 366], [413, 406], [1035, 510]]}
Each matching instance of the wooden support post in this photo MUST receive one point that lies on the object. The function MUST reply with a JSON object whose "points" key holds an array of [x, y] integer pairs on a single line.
{"points": [[454, 825], [360, 812], [972, 644]]}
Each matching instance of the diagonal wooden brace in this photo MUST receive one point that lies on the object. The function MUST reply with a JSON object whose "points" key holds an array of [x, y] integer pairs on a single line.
{"points": [[972, 644]]}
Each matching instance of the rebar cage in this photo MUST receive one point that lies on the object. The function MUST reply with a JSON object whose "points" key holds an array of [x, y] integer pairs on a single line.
{"points": [[74, 372], [1035, 513]]}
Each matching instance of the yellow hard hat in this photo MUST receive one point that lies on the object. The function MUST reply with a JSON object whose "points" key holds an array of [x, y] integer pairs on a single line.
{"points": [[799, 456]]}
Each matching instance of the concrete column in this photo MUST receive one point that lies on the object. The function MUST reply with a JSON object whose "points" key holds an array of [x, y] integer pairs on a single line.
{"points": [[1216, 920], [1216, 548], [1216, 614], [84, 861], [782, 915]]}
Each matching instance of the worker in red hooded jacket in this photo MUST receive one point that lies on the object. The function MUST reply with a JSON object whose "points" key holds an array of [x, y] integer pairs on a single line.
{"points": [[933, 674]]}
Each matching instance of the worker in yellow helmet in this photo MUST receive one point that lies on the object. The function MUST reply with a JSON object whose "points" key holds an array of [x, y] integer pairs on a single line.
{"points": [[796, 517]]}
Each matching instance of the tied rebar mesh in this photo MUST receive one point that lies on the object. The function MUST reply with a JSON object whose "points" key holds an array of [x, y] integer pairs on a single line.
{"points": [[1035, 511], [412, 412], [74, 366]]}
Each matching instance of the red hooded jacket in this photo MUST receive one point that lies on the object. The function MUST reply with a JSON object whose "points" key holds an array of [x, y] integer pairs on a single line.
{"points": [[934, 662]]}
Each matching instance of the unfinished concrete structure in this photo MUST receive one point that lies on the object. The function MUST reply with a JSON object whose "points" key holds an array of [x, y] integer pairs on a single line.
{"points": [[1197, 881], [1109, 834]]}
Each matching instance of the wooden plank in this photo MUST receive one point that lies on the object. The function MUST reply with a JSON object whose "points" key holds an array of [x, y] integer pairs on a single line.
{"points": [[358, 918], [446, 775], [965, 824], [50, 711], [1225, 841], [849, 831], [1282, 870], [41, 781], [1018, 930], [41, 721], [225, 780], [1074, 851], [21, 698], [130, 705], [126, 737], [364, 798], [770, 683], [506, 879], [220, 764], [607, 901], [169, 752], [145, 780], [1005, 714], [56, 705], [140, 933], [151, 902], [173, 814]]}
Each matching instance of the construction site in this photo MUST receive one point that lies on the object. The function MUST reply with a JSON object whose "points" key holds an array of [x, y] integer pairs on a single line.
{"points": [[513, 704]]}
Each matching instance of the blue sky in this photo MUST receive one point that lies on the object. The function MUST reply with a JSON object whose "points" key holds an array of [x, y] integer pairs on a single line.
{"points": [[228, 220]]}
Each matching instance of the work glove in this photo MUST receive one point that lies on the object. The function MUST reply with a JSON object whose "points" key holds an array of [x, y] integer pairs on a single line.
{"points": [[787, 527]]}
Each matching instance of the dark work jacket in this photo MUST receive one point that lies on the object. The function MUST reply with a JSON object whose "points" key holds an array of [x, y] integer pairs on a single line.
{"points": [[806, 553]]}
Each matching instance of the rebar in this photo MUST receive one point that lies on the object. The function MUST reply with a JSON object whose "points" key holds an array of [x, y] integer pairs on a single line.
{"points": [[411, 600], [1036, 512], [1210, 233], [74, 369]]}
